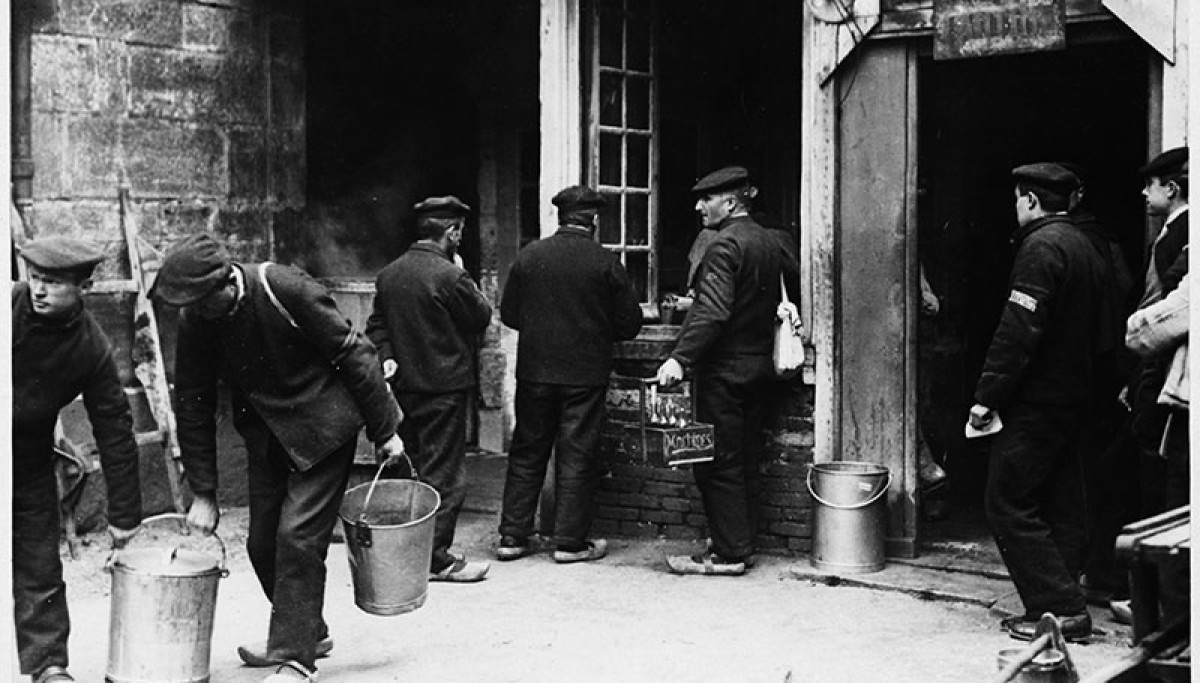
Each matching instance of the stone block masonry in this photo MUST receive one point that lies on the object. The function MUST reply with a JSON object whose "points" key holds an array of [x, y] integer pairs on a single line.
{"points": [[199, 109], [196, 107]]}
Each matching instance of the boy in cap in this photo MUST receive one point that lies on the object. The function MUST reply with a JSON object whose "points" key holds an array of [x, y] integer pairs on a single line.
{"points": [[1038, 375], [59, 352], [726, 342], [570, 299], [426, 316], [302, 382]]}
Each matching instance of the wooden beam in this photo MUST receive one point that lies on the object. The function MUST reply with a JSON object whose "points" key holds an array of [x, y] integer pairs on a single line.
{"points": [[559, 92], [817, 198]]}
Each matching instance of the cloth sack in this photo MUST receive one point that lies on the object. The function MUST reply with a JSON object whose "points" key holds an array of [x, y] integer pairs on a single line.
{"points": [[1175, 391], [788, 353]]}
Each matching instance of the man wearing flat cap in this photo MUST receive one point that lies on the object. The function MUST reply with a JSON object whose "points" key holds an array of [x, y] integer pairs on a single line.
{"points": [[1166, 196], [570, 299], [726, 343], [303, 383], [425, 320], [58, 353], [1037, 376]]}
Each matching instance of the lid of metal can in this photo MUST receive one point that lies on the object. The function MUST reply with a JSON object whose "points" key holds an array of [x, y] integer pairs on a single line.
{"points": [[171, 561]]}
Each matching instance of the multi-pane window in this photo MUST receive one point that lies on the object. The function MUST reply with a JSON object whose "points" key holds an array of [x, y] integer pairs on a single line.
{"points": [[622, 134]]}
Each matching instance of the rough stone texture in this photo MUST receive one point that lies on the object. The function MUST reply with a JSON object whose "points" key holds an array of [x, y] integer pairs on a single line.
{"points": [[154, 22], [218, 29], [49, 135], [155, 158]]}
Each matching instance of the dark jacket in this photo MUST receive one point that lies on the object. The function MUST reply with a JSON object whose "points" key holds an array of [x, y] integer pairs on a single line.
{"points": [[427, 314], [1170, 260], [571, 299], [311, 385], [1114, 362], [1045, 346], [53, 361], [737, 291]]}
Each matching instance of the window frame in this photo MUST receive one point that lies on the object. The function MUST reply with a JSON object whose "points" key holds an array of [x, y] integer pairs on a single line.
{"points": [[594, 129]]}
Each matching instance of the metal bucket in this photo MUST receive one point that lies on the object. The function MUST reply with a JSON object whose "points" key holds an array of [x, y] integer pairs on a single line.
{"points": [[389, 541], [850, 519], [161, 610], [1048, 666]]}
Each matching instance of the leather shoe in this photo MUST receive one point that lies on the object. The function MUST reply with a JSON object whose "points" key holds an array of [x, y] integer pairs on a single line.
{"points": [[1074, 627], [257, 654], [53, 674], [512, 548]]}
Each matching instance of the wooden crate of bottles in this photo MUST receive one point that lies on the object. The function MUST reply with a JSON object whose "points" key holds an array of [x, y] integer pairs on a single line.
{"points": [[666, 433]]}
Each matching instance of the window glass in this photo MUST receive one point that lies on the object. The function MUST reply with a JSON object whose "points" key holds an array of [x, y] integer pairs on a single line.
{"points": [[610, 219], [637, 220], [637, 173], [638, 265], [611, 101], [610, 159], [611, 36], [638, 115]]}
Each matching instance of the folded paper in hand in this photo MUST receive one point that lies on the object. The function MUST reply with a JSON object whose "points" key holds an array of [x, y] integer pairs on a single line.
{"points": [[990, 428]]}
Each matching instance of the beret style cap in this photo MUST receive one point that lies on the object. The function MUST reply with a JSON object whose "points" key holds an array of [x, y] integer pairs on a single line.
{"points": [[726, 178], [1047, 175], [577, 198], [192, 270], [442, 207], [1169, 164], [61, 253]]}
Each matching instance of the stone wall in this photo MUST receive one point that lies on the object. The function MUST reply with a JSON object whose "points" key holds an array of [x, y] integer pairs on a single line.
{"points": [[197, 108]]}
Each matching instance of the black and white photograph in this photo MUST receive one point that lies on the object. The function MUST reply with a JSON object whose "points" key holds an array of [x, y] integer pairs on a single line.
{"points": [[605, 341]]}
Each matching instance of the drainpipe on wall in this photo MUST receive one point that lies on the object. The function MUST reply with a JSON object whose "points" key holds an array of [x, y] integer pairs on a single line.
{"points": [[22, 106]]}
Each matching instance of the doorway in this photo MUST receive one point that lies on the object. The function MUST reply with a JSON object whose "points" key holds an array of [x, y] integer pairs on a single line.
{"points": [[978, 119]]}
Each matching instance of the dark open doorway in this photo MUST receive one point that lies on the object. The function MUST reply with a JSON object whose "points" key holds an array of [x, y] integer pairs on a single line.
{"points": [[978, 119]]}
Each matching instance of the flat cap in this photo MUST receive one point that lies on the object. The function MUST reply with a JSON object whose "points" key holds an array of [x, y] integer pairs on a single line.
{"points": [[728, 178], [442, 207], [577, 198], [61, 253], [1048, 176], [192, 270], [1170, 164]]}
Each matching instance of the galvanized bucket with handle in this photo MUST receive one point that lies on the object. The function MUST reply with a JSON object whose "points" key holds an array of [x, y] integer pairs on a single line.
{"points": [[389, 541], [164, 597], [850, 520]]}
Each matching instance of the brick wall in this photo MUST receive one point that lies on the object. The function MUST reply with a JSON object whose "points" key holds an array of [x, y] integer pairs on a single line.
{"points": [[641, 501]]}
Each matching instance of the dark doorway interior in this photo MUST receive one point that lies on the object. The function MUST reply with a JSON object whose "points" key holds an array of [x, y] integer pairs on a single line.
{"points": [[399, 95], [729, 94], [978, 119]]}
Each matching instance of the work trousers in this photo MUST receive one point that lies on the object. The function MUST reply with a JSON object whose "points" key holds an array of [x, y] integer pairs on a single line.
{"points": [[731, 396], [1175, 580], [39, 594], [435, 435], [292, 515], [1036, 504], [566, 419]]}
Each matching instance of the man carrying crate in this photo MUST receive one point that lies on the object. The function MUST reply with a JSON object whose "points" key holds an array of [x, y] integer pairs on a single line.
{"points": [[726, 341]]}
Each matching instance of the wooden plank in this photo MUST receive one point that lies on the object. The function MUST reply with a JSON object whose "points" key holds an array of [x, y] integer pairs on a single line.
{"points": [[875, 279], [559, 91], [148, 358], [817, 197]]}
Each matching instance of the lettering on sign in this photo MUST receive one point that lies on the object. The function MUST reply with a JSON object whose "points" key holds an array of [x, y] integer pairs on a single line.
{"points": [[981, 28], [685, 442]]}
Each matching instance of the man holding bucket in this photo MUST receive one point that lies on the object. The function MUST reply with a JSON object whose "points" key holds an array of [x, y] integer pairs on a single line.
{"points": [[59, 352], [426, 316], [303, 383], [1037, 378], [726, 340]]}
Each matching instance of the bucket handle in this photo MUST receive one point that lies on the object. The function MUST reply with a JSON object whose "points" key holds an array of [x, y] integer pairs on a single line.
{"points": [[181, 520], [857, 506], [362, 515]]}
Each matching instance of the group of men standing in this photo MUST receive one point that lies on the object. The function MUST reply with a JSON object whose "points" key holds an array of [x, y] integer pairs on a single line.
{"points": [[304, 382], [1055, 365]]}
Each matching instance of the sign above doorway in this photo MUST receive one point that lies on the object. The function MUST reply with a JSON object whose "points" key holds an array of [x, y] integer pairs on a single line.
{"points": [[982, 28]]}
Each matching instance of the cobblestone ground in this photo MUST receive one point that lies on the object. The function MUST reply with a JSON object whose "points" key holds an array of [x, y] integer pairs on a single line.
{"points": [[622, 619]]}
